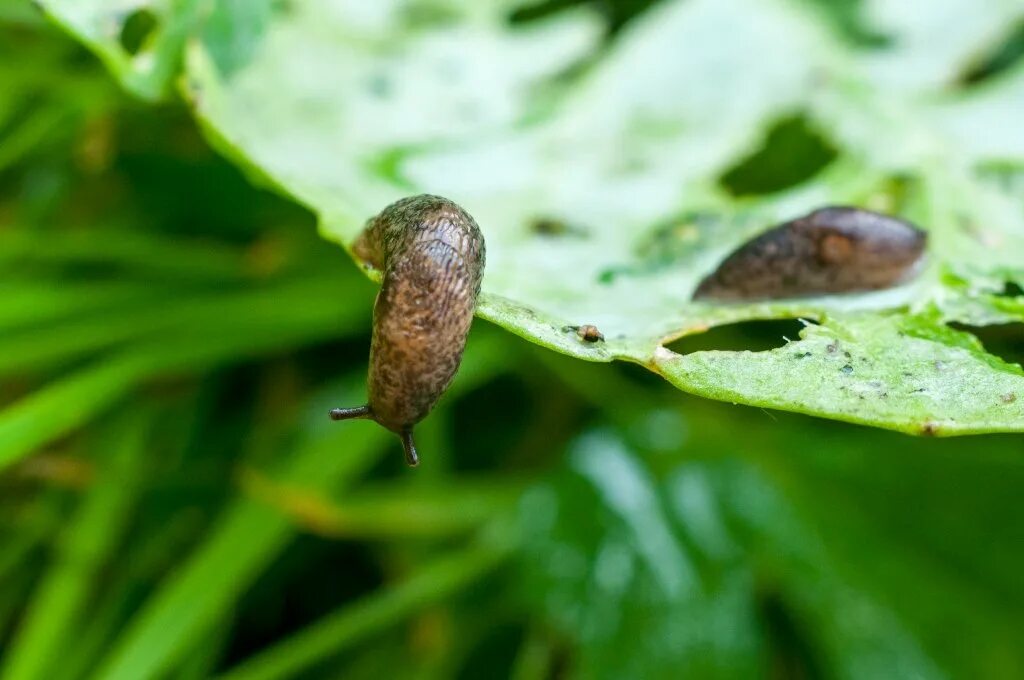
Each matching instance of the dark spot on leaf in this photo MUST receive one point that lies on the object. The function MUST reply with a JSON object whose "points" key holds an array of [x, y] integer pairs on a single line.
{"points": [[793, 151], [426, 14], [749, 336], [675, 242], [802, 355], [550, 226], [832, 347], [930, 429], [379, 85], [137, 29], [1006, 175], [1008, 398], [847, 369]]}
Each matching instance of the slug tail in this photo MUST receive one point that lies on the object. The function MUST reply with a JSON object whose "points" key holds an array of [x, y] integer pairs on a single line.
{"points": [[411, 457], [351, 413]]}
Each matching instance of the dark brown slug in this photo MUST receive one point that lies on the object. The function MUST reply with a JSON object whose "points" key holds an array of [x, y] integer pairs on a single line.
{"points": [[432, 254], [831, 250]]}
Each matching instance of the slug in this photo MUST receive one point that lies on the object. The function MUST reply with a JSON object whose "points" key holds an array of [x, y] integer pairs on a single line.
{"points": [[831, 250], [431, 253]]}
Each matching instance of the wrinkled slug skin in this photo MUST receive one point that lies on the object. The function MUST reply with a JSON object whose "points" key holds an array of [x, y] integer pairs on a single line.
{"points": [[829, 251], [432, 256]]}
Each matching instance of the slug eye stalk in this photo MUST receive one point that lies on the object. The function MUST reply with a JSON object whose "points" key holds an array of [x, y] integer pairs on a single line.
{"points": [[351, 413], [408, 443], [411, 457]]}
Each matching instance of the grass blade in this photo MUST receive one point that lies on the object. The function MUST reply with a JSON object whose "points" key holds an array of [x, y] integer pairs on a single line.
{"points": [[63, 406], [398, 510], [247, 538], [377, 612], [60, 599]]}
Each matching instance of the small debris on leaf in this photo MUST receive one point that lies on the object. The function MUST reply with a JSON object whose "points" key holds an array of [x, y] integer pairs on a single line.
{"points": [[586, 332]]}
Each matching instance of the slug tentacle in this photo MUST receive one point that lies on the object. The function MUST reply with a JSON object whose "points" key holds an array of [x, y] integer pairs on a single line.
{"points": [[351, 413], [432, 256], [411, 457]]}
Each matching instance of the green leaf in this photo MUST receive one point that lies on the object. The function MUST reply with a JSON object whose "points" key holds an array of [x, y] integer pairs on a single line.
{"points": [[898, 372], [594, 167], [774, 555], [140, 41]]}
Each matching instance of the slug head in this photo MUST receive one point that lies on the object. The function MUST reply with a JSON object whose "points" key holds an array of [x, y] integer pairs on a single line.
{"points": [[880, 248]]}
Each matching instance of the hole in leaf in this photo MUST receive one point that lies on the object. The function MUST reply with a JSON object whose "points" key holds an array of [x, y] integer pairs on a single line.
{"points": [[793, 152], [1005, 341], [137, 29], [1011, 290], [847, 18], [1004, 56], [749, 336], [616, 13]]}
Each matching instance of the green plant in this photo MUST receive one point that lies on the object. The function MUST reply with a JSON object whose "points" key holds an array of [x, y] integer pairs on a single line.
{"points": [[175, 502], [636, 146]]}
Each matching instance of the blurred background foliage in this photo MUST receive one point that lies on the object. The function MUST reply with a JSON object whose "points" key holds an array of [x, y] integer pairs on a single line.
{"points": [[175, 503]]}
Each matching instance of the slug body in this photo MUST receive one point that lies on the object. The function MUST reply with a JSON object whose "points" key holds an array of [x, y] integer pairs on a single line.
{"points": [[831, 250], [431, 253]]}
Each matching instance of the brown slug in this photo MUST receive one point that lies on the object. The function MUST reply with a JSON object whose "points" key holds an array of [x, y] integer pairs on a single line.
{"points": [[432, 255], [831, 250]]}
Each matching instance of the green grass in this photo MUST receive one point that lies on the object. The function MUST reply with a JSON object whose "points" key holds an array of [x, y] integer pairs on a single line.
{"points": [[175, 503]]}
